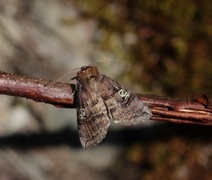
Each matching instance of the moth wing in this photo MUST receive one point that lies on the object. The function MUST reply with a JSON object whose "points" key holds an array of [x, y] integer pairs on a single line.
{"points": [[132, 111], [92, 117], [124, 107]]}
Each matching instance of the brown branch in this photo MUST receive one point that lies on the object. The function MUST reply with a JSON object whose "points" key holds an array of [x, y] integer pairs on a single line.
{"points": [[191, 111], [56, 93]]}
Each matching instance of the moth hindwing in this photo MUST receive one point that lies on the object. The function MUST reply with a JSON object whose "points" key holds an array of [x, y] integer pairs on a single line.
{"points": [[99, 99]]}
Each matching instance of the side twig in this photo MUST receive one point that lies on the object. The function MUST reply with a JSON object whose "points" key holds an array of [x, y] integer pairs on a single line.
{"points": [[192, 111]]}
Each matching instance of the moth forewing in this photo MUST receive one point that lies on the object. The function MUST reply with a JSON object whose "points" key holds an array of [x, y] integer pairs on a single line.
{"points": [[92, 117], [125, 107]]}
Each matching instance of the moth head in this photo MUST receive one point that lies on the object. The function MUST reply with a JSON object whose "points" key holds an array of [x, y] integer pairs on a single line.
{"points": [[88, 73]]}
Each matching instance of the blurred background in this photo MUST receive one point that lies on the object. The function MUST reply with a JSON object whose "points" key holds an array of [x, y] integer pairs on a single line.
{"points": [[151, 47]]}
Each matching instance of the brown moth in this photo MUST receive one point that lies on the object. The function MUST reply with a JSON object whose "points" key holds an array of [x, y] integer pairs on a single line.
{"points": [[100, 99]]}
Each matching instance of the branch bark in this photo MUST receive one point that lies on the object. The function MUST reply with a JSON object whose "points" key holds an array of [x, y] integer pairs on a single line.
{"points": [[191, 111], [56, 93]]}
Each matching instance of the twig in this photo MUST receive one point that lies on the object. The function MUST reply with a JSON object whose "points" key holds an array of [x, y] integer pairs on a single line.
{"points": [[192, 111], [56, 93]]}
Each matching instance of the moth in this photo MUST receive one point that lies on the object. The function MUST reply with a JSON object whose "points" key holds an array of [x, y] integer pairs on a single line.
{"points": [[100, 99]]}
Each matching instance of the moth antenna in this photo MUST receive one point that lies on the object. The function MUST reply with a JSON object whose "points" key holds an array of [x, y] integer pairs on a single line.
{"points": [[67, 74], [102, 60]]}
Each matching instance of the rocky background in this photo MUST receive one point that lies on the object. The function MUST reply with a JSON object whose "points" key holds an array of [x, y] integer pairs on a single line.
{"points": [[154, 47]]}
